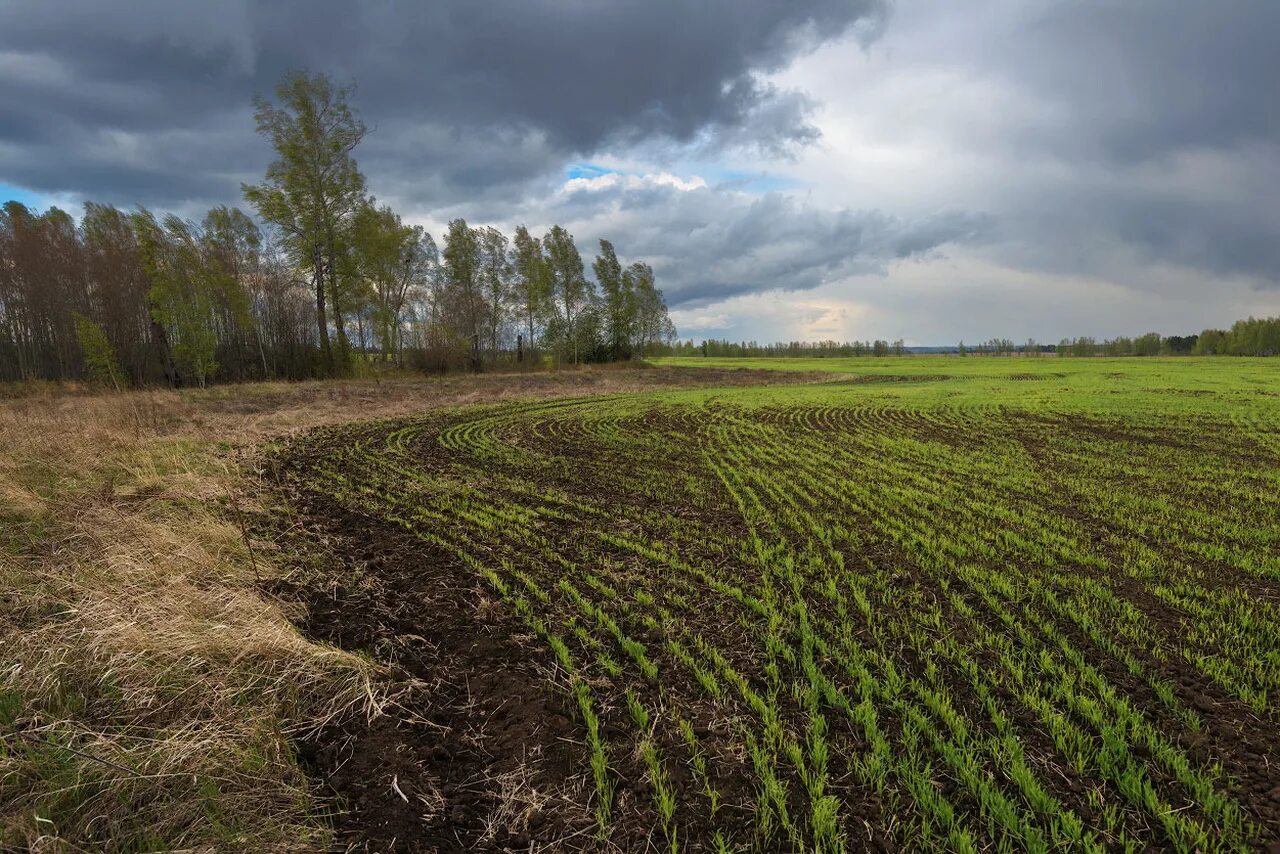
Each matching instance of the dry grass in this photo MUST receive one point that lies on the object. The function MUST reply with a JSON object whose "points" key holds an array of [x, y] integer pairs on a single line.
{"points": [[149, 691]]}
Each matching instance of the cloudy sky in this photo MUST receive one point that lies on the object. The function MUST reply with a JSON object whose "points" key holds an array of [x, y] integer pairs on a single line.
{"points": [[923, 169]]}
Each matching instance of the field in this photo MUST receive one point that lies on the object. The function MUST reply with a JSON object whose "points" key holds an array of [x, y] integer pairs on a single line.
{"points": [[923, 603], [155, 692]]}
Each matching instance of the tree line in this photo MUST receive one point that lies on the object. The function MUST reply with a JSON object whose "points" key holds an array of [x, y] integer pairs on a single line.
{"points": [[330, 282], [794, 349], [1251, 337]]}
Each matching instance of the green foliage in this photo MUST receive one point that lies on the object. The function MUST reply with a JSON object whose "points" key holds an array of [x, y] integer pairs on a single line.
{"points": [[99, 359], [387, 260], [532, 283], [571, 292], [1252, 337], [231, 243], [645, 310], [618, 297], [463, 286], [184, 287], [313, 188]]}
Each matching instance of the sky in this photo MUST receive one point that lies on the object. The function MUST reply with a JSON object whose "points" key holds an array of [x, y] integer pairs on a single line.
{"points": [[809, 169]]}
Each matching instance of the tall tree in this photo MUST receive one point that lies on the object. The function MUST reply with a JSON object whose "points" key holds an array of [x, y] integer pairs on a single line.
{"points": [[285, 312], [231, 243], [651, 323], [532, 281], [617, 291], [495, 277], [464, 298], [392, 258], [182, 295], [314, 186], [424, 279], [118, 287], [43, 282], [569, 287]]}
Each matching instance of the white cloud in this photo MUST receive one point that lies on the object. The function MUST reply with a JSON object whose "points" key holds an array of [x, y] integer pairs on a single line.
{"points": [[700, 319], [778, 315], [623, 181]]}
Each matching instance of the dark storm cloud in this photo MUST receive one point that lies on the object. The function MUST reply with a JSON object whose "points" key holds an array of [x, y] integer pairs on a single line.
{"points": [[1105, 138], [1162, 122], [1143, 78], [92, 84], [1199, 225]]}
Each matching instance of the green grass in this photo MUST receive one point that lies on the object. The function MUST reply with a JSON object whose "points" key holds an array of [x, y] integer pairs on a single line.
{"points": [[966, 603]]}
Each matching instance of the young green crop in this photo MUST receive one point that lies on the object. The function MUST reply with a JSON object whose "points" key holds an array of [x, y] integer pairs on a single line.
{"points": [[958, 603]]}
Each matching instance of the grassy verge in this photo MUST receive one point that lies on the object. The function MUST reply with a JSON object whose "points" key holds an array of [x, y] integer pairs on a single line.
{"points": [[148, 692]]}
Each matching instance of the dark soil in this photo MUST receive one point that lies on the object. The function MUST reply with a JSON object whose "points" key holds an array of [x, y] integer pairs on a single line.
{"points": [[478, 751]]}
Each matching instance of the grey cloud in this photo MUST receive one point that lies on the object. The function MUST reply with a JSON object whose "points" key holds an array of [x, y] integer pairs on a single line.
{"points": [[1138, 80], [430, 171], [557, 77], [1148, 127], [1208, 209], [1150, 85], [1120, 137], [710, 244]]}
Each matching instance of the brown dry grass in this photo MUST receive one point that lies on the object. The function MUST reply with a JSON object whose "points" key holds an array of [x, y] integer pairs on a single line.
{"points": [[149, 691]]}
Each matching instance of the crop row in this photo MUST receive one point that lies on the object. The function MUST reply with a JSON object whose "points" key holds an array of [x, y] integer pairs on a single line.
{"points": [[825, 620]]}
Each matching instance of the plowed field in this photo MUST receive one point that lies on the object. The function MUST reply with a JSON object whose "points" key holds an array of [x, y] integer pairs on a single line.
{"points": [[965, 606]]}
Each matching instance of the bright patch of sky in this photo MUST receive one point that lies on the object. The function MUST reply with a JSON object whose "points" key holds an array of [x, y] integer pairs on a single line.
{"points": [[34, 201], [752, 182], [587, 170], [596, 178], [697, 174]]}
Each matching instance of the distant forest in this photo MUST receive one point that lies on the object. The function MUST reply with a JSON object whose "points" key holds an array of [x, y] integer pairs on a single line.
{"points": [[1252, 337], [333, 284]]}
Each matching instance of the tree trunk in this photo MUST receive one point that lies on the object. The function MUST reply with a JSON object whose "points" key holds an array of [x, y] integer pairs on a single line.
{"points": [[338, 324], [573, 333], [322, 317], [171, 373], [340, 327], [262, 353]]}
